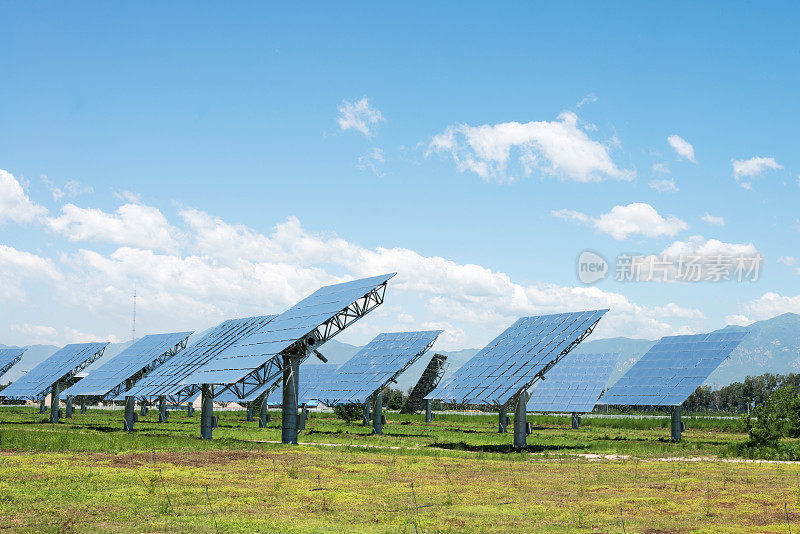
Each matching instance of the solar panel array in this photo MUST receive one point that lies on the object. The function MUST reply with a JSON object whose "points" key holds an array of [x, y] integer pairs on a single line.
{"points": [[574, 384], [128, 363], [64, 363], [8, 358], [166, 379], [672, 369], [372, 368], [311, 375], [516, 358], [271, 339], [427, 382]]}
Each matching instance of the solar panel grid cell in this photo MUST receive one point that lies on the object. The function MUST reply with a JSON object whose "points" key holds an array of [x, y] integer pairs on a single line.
{"points": [[574, 384]]}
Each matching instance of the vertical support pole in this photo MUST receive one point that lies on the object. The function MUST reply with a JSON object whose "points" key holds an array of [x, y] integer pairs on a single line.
{"points": [[68, 408], [162, 409], [189, 409], [206, 412], [576, 420], [54, 403], [143, 408], [291, 368], [676, 426], [520, 424], [303, 417], [83, 405], [42, 406], [366, 420], [263, 413], [428, 414], [502, 421], [130, 413], [251, 408], [377, 414]]}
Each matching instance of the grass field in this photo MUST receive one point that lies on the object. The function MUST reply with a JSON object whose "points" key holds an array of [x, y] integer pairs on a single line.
{"points": [[456, 474]]}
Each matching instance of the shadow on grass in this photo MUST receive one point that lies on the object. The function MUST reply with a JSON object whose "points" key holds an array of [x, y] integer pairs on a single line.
{"points": [[504, 448]]}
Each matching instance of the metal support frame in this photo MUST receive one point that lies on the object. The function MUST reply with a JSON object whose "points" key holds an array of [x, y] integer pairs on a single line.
{"points": [[520, 424], [251, 408], [428, 413], [377, 414], [42, 405], [55, 412], [69, 377], [68, 407], [289, 419], [303, 417], [83, 405], [189, 409], [366, 420], [129, 382], [502, 421], [130, 414], [162, 410], [576, 421], [207, 421], [143, 408], [263, 413], [676, 426]]}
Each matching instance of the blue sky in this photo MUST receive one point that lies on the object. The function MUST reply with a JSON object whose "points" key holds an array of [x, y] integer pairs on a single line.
{"points": [[227, 160]]}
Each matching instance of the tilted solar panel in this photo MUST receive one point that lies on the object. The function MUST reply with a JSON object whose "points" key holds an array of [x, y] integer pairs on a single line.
{"points": [[672, 369], [518, 357], [574, 384], [9, 358], [371, 369], [63, 364], [144, 355], [166, 379], [427, 382], [311, 374], [263, 348]]}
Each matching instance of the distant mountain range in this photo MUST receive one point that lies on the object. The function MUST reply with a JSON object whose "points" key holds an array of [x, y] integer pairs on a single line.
{"points": [[773, 346]]}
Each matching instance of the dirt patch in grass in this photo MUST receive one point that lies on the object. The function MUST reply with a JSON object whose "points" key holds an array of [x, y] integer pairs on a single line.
{"points": [[182, 458]]}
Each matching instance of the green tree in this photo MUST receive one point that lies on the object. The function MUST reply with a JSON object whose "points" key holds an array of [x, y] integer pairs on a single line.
{"points": [[776, 418]]}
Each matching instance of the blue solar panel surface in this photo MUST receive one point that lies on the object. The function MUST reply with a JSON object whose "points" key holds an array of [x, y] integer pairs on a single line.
{"points": [[253, 351], [60, 365], [126, 364], [574, 384], [9, 357], [513, 359], [311, 374], [166, 379], [672, 369], [371, 368]]}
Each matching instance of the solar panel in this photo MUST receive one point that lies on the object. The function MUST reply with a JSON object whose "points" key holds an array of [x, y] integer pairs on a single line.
{"points": [[672, 369], [311, 375], [9, 358], [518, 357], [574, 384], [427, 382], [371, 369], [165, 380], [131, 364], [63, 364], [256, 360]]}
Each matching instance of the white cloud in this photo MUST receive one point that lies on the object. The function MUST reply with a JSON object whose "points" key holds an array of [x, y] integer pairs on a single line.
{"points": [[738, 320], [15, 205], [664, 186], [359, 116], [660, 168], [17, 266], [771, 304], [710, 219], [681, 147], [709, 248], [71, 189], [790, 261], [591, 98], [558, 148], [624, 221], [372, 160], [49, 335], [134, 225], [752, 168]]}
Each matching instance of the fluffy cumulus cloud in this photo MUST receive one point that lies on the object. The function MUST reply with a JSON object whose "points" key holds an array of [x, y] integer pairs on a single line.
{"points": [[745, 170], [681, 147], [711, 219], [358, 115], [560, 148], [766, 306], [49, 335], [15, 204], [133, 224], [623, 222], [17, 267]]}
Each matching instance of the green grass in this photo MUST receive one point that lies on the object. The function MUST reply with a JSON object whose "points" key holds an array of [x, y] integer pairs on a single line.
{"points": [[87, 475]]}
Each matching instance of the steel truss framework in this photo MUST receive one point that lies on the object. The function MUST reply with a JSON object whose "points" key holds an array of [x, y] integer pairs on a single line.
{"points": [[9, 358], [430, 378], [358, 394], [128, 382], [271, 371]]}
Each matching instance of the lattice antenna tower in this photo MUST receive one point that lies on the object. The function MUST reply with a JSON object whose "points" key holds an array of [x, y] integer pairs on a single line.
{"points": [[133, 329]]}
